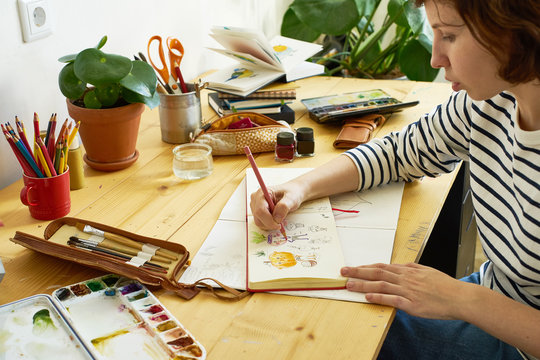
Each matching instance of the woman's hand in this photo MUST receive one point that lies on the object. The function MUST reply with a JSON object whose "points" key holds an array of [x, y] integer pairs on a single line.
{"points": [[416, 289], [286, 197]]}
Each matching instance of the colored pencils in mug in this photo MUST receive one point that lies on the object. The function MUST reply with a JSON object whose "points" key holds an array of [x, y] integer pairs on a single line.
{"points": [[47, 157]]}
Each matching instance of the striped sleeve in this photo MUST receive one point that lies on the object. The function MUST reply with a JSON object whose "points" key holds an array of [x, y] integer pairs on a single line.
{"points": [[431, 146]]}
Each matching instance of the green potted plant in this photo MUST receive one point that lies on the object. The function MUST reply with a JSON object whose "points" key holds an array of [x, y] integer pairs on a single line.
{"points": [[107, 94], [354, 45]]}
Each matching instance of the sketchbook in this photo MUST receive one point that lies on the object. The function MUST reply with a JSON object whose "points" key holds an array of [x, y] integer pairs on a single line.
{"points": [[260, 61], [309, 257], [366, 237]]}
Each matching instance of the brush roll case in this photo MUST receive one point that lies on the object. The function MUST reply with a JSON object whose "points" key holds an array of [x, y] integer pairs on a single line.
{"points": [[55, 243]]}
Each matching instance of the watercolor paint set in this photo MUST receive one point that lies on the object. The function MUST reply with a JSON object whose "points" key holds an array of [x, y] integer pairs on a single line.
{"points": [[110, 317], [332, 108]]}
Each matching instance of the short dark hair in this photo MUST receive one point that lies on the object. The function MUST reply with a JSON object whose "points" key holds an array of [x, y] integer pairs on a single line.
{"points": [[509, 29]]}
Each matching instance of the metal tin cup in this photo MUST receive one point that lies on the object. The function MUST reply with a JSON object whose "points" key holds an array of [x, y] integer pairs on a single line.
{"points": [[179, 116]]}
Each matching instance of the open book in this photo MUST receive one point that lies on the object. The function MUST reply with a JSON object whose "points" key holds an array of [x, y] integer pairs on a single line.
{"points": [[366, 237], [260, 61], [310, 257]]}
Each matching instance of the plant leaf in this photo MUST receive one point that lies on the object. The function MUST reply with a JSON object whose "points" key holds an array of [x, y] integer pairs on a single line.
{"points": [[70, 86], [133, 97], [414, 61], [91, 101], [416, 16], [396, 10], [426, 37], [366, 7], [142, 79], [108, 95], [332, 17], [68, 58], [98, 68], [292, 27], [101, 42]]}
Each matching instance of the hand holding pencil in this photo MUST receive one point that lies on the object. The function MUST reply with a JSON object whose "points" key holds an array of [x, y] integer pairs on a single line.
{"points": [[262, 185]]}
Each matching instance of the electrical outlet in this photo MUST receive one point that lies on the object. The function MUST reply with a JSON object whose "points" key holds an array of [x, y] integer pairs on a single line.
{"points": [[35, 19]]}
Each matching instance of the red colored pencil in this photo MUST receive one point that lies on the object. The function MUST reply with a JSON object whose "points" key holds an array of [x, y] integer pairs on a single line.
{"points": [[46, 156]]}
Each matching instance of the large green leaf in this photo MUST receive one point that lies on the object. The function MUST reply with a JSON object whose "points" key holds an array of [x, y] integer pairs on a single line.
{"points": [[416, 16], [292, 27], [414, 61], [426, 37], [367, 7], [132, 97], [332, 17], [396, 10], [70, 86], [142, 79], [98, 68]]}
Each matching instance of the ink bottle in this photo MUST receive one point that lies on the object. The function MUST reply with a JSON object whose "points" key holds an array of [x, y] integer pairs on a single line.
{"points": [[285, 147], [305, 144]]}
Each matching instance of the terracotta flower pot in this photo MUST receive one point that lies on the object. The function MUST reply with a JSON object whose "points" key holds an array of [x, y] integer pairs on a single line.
{"points": [[109, 135]]}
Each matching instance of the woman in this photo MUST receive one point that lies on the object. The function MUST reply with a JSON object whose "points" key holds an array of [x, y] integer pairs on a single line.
{"points": [[490, 53]]}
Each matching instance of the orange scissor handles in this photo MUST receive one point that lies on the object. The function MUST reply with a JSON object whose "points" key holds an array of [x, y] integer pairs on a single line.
{"points": [[162, 69]]}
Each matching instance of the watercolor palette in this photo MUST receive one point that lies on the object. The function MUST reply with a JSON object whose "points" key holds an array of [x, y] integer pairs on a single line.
{"points": [[119, 318], [37, 328]]}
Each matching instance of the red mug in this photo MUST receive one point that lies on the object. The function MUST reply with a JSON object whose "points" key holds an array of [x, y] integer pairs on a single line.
{"points": [[47, 198]]}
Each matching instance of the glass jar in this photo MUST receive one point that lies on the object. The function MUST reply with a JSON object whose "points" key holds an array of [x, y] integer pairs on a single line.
{"points": [[285, 147]]}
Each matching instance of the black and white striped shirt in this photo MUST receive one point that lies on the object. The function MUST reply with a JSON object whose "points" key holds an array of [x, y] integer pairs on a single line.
{"points": [[504, 177]]}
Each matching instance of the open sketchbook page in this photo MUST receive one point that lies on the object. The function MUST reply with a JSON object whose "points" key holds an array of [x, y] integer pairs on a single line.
{"points": [[222, 255], [309, 257]]}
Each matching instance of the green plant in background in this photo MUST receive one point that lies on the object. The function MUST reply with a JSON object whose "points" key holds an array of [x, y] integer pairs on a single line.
{"points": [[95, 80], [355, 46]]}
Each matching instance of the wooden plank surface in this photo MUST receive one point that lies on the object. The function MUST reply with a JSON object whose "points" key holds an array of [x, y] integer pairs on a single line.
{"points": [[148, 199]]}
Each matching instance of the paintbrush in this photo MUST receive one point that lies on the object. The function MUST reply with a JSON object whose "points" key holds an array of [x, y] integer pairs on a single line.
{"points": [[148, 248], [87, 245], [105, 243]]}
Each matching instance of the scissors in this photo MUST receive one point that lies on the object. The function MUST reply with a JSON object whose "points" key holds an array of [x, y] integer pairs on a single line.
{"points": [[175, 55]]}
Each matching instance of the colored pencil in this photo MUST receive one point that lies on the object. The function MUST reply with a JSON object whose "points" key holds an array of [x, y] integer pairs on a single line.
{"points": [[262, 185], [42, 160], [27, 169], [46, 156], [28, 158]]}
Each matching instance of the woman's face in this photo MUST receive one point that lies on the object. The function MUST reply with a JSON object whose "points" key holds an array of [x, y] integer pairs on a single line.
{"points": [[467, 64]]}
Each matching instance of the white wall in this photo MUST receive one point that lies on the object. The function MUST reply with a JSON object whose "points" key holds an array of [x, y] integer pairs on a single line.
{"points": [[28, 71]]}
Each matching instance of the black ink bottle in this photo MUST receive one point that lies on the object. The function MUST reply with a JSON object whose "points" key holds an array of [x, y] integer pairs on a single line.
{"points": [[305, 144]]}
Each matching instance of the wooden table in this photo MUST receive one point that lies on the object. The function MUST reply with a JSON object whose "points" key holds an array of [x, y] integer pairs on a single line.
{"points": [[148, 199]]}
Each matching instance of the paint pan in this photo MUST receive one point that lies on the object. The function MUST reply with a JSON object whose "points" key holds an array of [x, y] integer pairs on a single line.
{"points": [[37, 328], [119, 318]]}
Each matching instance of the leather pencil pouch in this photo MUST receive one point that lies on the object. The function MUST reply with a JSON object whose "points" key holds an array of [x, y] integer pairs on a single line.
{"points": [[150, 261], [358, 130]]}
